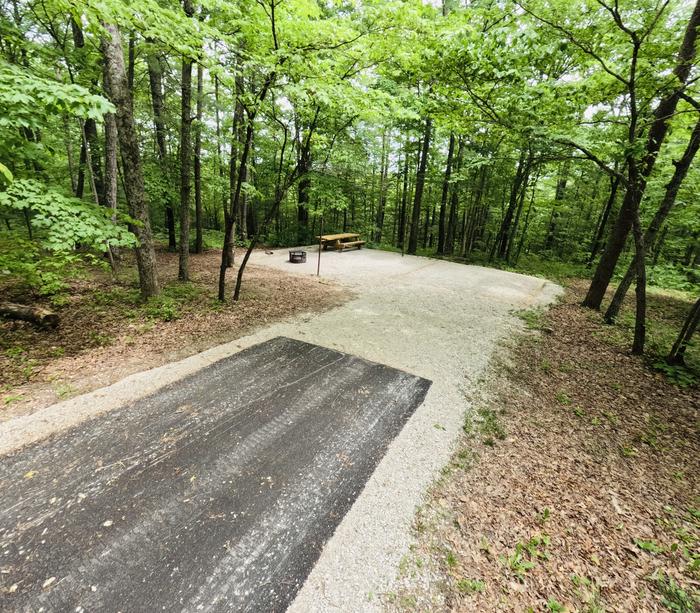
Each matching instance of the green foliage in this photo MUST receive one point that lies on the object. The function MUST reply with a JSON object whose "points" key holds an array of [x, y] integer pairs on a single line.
{"points": [[674, 597], [470, 586], [59, 225]]}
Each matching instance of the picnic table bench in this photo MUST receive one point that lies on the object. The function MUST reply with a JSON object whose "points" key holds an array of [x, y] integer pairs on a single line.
{"points": [[340, 242]]}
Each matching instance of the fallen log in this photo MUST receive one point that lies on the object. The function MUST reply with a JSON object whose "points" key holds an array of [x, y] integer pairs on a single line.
{"points": [[37, 315]]}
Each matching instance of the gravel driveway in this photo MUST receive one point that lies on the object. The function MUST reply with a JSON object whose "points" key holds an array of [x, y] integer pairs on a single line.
{"points": [[435, 319], [438, 320]]}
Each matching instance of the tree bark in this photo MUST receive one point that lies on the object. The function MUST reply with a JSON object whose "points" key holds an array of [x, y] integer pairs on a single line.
{"points": [[379, 220], [444, 196], [559, 194], [681, 170], [657, 132], [116, 85], [603, 221], [420, 184], [37, 315], [450, 233], [404, 200], [198, 246], [690, 325], [155, 79], [183, 273]]}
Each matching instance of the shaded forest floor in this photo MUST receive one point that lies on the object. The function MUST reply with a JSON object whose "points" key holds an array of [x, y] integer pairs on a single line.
{"points": [[575, 484], [107, 332]]}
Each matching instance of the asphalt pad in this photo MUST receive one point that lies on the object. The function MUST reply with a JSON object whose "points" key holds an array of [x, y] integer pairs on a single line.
{"points": [[217, 493]]}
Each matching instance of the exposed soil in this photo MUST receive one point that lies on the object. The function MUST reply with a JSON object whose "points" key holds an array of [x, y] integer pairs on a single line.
{"points": [[574, 488], [107, 333]]}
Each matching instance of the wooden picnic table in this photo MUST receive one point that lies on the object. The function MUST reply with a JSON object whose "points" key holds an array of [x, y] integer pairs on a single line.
{"points": [[342, 241]]}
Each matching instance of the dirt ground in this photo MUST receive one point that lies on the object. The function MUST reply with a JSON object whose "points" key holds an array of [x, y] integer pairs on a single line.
{"points": [[107, 333], [574, 487]]}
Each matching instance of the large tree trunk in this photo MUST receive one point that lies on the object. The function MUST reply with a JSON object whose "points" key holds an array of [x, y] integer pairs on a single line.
{"points": [[420, 184], [117, 87], [444, 196], [37, 315], [198, 164], [183, 273], [672, 187], [657, 132], [155, 79]]}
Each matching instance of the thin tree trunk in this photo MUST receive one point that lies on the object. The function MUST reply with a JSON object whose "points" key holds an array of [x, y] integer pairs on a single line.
{"points": [[603, 221], [454, 204], [379, 220], [559, 194], [420, 184], [500, 245], [155, 79], [444, 196], [657, 133], [198, 247], [681, 170], [690, 325], [404, 200], [116, 85]]}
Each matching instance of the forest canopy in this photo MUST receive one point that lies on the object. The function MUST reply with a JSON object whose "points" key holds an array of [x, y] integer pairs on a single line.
{"points": [[507, 132]]}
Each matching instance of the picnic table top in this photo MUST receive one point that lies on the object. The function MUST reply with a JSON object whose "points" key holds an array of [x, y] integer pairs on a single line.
{"points": [[337, 237]]}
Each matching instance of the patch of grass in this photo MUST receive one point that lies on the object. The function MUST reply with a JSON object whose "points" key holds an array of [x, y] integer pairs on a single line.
{"points": [[524, 556], [163, 308], [677, 374], [554, 606], [470, 586], [649, 546], [673, 596], [562, 398], [490, 426], [12, 398], [533, 318], [451, 559], [64, 390]]}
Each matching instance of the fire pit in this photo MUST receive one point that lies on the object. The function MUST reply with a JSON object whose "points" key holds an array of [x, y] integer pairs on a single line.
{"points": [[297, 256]]}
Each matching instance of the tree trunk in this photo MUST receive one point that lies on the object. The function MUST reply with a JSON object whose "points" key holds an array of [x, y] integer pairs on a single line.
{"points": [[155, 79], [37, 315], [404, 200], [603, 221], [379, 220], [444, 196], [679, 174], [116, 85], [657, 132], [500, 245], [198, 247], [559, 194], [641, 289], [690, 325], [454, 204], [183, 273], [420, 184]]}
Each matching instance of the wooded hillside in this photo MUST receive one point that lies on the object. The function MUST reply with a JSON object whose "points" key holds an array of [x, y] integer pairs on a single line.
{"points": [[514, 133]]}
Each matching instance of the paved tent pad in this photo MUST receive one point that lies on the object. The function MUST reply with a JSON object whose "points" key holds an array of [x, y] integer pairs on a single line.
{"points": [[216, 493]]}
